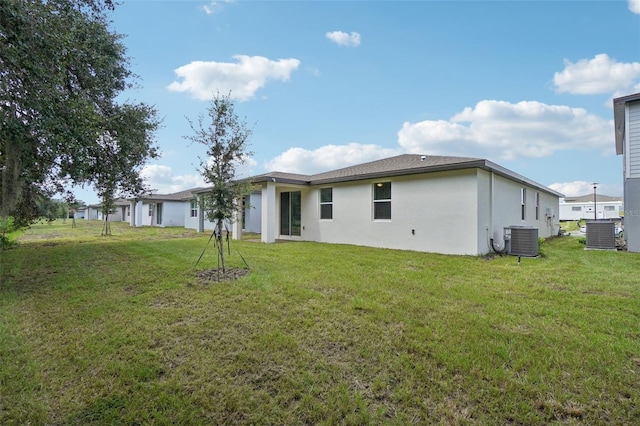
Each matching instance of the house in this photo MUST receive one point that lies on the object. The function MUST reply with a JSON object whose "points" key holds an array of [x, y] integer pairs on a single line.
{"points": [[451, 205], [583, 207], [626, 113], [161, 209], [249, 221], [80, 212], [117, 214]]}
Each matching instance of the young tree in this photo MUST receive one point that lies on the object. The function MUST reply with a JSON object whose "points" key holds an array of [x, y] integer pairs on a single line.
{"points": [[119, 155], [74, 206], [61, 71], [226, 139]]}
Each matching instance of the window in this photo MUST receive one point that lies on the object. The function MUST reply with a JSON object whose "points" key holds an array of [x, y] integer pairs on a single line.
{"points": [[193, 207], [610, 208], [523, 202], [382, 200], [245, 205], [576, 209], [128, 211], [326, 203], [537, 205], [150, 209], [159, 214]]}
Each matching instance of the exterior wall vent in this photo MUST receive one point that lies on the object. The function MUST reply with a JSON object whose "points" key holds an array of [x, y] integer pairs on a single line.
{"points": [[601, 234], [521, 240]]}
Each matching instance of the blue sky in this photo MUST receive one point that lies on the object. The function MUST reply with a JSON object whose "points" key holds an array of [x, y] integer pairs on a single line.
{"points": [[326, 84]]}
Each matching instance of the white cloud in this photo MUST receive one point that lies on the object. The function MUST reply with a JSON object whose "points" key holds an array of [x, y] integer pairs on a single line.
{"points": [[506, 131], [600, 75], [344, 39], [215, 6], [580, 187], [245, 169], [162, 180], [243, 79], [328, 157], [634, 6]]}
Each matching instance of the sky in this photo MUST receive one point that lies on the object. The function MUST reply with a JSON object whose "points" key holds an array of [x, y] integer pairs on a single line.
{"points": [[327, 84]]}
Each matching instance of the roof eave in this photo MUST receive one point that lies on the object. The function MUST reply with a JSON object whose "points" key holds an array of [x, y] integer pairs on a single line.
{"points": [[619, 107]]}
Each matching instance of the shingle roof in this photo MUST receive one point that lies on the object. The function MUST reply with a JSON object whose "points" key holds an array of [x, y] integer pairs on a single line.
{"points": [[400, 165], [392, 166], [176, 196]]}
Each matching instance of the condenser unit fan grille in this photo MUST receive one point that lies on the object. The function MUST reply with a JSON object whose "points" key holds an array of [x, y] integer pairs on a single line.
{"points": [[524, 241], [601, 234]]}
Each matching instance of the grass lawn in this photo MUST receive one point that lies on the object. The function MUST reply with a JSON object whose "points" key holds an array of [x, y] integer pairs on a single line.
{"points": [[117, 330]]}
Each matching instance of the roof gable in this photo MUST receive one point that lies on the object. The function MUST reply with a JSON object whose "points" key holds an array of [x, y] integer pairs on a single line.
{"points": [[619, 118]]}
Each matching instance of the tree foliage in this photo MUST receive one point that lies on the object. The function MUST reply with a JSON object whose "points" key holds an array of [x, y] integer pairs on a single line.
{"points": [[226, 138], [61, 69]]}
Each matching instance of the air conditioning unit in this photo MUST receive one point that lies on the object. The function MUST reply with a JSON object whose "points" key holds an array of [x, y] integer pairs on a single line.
{"points": [[601, 234], [521, 240]]}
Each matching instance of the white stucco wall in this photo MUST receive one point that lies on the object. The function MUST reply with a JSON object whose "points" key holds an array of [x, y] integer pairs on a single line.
{"points": [[146, 219], [507, 208], [173, 213], [454, 212], [431, 213], [252, 213]]}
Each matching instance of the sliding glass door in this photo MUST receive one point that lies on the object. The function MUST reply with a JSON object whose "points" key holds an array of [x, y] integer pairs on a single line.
{"points": [[290, 213]]}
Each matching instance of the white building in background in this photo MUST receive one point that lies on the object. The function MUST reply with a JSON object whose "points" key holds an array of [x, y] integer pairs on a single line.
{"points": [[160, 209], [451, 205], [583, 207]]}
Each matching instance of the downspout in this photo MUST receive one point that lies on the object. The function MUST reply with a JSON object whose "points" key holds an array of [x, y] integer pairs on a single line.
{"points": [[492, 246], [490, 231]]}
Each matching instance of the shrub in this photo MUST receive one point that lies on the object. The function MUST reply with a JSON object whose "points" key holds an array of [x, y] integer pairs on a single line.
{"points": [[7, 226]]}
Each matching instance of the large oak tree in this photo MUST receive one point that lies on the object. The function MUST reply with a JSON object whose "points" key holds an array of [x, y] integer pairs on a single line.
{"points": [[61, 71]]}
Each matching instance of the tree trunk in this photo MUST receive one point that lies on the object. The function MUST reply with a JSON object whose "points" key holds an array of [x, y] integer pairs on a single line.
{"points": [[10, 183], [106, 230], [220, 245]]}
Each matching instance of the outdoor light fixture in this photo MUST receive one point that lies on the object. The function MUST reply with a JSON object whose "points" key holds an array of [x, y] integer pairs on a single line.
{"points": [[379, 185]]}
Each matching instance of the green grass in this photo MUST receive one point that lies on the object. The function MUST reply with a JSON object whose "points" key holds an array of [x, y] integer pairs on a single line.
{"points": [[117, 330]]}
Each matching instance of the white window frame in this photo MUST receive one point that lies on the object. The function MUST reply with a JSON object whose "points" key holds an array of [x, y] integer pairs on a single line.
{"points": [[381, 200], [193, 208], [326, 203]]}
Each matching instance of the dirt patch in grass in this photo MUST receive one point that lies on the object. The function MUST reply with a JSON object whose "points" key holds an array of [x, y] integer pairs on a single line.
{"points": [[217, 275]]}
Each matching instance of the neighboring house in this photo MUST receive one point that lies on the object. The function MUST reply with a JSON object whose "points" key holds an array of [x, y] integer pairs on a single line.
{"points": [[451, 205], [117, 214], [91, 213], [626, 112], [80, 213], [582, 207], [249, 221], [160, 209]]}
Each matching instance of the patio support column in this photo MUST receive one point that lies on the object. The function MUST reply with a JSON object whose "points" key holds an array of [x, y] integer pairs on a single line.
{"points": [[268, 220], [138, 213], [132, 213], [200, 208], [236, 226]]}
